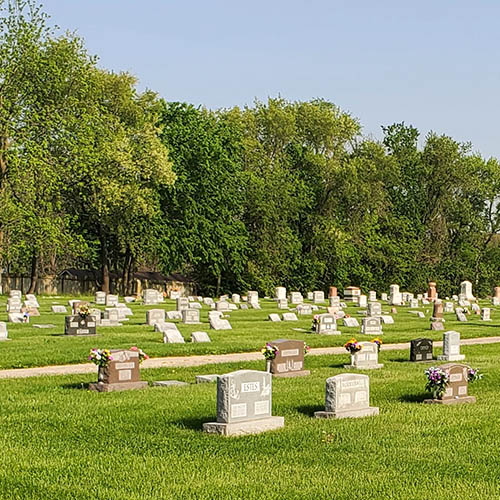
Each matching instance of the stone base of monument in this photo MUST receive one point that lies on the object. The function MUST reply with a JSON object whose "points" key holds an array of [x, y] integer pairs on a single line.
{"points": [[455, 401], [244, 428], [363, 412], [454, 357], [301, 373], [371, 367], [123, 386], [206, 379], [330, 332], [437, 326], [169, 383]]}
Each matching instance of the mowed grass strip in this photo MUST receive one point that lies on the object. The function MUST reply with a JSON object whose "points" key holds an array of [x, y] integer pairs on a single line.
{"points": [[31, 346], [59, 440]]}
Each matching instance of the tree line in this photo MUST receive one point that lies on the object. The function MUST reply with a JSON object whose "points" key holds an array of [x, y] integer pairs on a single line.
{"points": [[95, 174]]}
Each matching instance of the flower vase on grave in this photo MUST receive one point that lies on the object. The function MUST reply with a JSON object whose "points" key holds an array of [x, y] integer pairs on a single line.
{"points": [[268, 365], [103, 374]]}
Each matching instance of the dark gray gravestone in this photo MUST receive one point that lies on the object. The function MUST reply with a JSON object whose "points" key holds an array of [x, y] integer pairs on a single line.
{"points": [[421, 350], [79, 325]]}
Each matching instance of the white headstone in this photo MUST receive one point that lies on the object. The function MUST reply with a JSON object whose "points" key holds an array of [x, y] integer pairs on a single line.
{"points": [[172, 337], [451, 347], [200, 337]]}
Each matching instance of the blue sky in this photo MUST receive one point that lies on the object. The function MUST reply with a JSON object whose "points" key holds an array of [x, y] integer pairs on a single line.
{"points": [[433, 64]]}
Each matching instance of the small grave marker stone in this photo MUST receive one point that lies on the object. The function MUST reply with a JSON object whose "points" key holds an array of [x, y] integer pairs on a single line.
{"points": [[200, 337]]}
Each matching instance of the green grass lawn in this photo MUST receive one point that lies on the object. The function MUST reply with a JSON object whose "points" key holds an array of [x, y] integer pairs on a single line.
{"points": [[251, 329], [59, 440]]}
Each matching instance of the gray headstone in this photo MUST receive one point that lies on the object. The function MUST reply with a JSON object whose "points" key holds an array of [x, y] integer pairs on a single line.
{"points": [[200, 337], [155, 316], [172, 337], [190, 316], [289, 317], [351, 322], [347, 396], [367, 358], [59, 309]]}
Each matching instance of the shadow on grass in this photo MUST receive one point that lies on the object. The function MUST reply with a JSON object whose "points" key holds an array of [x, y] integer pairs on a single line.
{"points": [[414, 398], [195, 423], [406, 360], [338, 365], [76, 385], [309, 410]]}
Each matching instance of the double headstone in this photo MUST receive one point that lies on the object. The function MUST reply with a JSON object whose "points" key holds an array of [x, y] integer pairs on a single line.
{"points": [[326, 324], [111, 300], [191, 316], [150, 297], [374, 309], [371, 326], [304, 309], [244, 404], [421, 350], [296, 298], [155, 316], [456, 390], [347, 396], [289, 360], [79, 325], [121, 373], [366, 358]]}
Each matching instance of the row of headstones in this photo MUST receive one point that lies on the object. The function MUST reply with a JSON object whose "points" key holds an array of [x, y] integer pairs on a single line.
{"points": [[244, 397]]}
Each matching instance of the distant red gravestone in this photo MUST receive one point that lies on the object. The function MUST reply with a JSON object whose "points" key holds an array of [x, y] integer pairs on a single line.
{"points": [[432, 291]]}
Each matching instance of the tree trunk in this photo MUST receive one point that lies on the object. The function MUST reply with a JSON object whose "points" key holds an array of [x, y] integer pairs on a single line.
{"points": [[129, 276], [125, 274], [104, 263], [34, 274], [219, 279]]}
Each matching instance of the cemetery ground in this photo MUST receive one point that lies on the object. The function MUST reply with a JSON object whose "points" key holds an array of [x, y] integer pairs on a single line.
{"points": [[59, 440], [30, 346]]}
